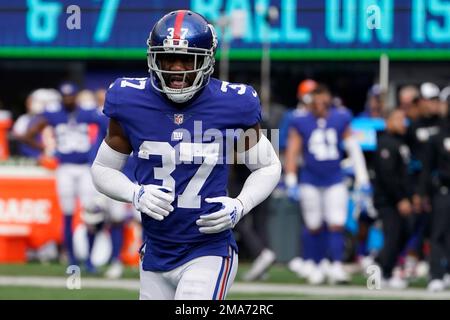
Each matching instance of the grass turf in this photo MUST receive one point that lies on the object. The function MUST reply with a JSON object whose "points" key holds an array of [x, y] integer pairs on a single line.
{"points": [[277, 274]]}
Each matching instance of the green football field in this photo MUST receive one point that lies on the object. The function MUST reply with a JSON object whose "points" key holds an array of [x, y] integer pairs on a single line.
{"points": [[47, 281]]}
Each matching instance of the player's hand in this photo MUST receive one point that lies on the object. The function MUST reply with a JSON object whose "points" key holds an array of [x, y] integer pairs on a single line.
{"points": [[364, 190], [363, 198], [155, 201], [292, 188], [226, 218], [293, 193]]}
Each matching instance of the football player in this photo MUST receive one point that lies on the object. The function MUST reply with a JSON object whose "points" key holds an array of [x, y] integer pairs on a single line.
{"points": [[176, 124], [70, 125], [318, 135]]}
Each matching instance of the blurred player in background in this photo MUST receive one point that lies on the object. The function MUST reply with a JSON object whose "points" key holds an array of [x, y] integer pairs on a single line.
{"points": [[86, 99], [363, 208], [36, 103], [70, 125], [317, 134], [33, 107], [304, 99], [189, 250]]}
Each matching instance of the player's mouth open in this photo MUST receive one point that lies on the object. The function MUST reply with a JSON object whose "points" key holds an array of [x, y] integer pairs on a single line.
{"points": [[176, 82]]}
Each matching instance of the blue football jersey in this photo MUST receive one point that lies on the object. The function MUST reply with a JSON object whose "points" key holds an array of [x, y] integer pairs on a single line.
{"points": [[71, 130], [183, 147], [322, 145]]}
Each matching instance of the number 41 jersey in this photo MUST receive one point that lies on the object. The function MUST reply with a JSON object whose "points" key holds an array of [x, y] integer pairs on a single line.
{"points": [[322, 145], [183, 147]]}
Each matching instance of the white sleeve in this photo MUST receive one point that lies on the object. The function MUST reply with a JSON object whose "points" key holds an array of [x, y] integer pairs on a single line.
{"points": [[107, 175], [263, 161], [359, 163]]}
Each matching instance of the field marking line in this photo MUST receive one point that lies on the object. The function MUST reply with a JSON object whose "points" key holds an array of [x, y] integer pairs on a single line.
{"points": [[238, 287]]}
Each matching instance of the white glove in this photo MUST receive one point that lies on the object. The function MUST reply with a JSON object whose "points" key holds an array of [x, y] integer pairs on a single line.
{"points": [[226, 218], [153, 200]]}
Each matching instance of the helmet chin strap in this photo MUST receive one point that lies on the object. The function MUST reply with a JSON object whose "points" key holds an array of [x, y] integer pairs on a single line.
{"points": [[177, 95], [184, 94], [180, 97]]}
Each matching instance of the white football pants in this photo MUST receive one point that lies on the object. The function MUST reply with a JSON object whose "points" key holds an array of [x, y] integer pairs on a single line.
{"points": [[203, 278], [321, 204], [73, 181]]}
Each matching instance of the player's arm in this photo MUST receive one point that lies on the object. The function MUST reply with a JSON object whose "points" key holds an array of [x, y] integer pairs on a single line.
{"points": [[30, 136], [260, 157], [293, 151], [108, 177], [116, 139], [355, 153]]}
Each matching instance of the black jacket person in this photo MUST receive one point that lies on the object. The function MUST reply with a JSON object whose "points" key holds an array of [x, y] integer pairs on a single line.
{"points": [[392, 196], [436, 177]]}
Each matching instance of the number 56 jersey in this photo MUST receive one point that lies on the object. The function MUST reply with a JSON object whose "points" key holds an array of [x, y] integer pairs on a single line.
{"points": [[184, 147]]}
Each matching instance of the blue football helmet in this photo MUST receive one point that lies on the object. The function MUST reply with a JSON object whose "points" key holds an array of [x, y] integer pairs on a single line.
{"points": [[187, 33]]}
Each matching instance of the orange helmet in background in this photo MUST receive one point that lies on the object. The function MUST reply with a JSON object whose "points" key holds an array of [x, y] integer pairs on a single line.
{"points": [[304, 89]]}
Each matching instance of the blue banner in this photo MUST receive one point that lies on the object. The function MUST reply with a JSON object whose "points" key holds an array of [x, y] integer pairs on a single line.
{"points": [[323, 25]]}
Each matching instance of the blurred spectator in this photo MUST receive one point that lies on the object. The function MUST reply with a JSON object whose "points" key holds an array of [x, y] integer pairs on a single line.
{"points": [[429, 104], [408, 97], [374, 105], [392, 196], [421, 130], [422, 110], [435, 183], [445, 101]]}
